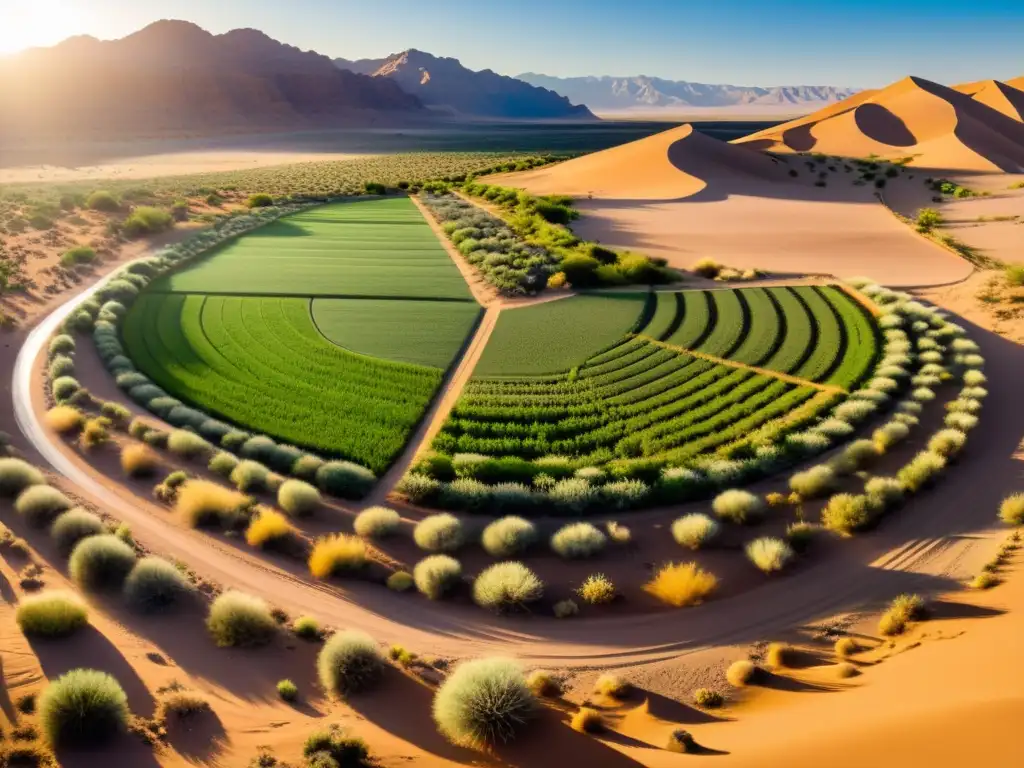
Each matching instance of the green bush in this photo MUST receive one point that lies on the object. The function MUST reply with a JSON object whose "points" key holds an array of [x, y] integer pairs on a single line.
{"points": [[101, 562], [307, 628], [239, 620], [64, 388], [287, 690], [377, 523], [41, 504], [400, 581], [483, 702], [418, 488], [187, 445], [298, 498], [902, 610], [508, 537], [81, 254], [345, 479], [814, 482], [61, 344], [223, 464], [17, 475], [920, 471], [507, 586], [578, 540], [51, 614], [250, 476], [738, 506], [154, 584], [146, 220], [436, 575], [439, 533], [695, 530], [82, 707], [846, 513], [101, 200], [349, 662], [331, 748], [73, 526]]}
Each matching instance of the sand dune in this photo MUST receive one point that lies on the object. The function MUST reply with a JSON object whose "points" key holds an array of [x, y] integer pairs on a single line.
{"points": [[940, 127], [670, 165]]}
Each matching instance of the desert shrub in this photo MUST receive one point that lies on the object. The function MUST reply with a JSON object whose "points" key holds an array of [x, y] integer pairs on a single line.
{"points": [[101, 200], [94, 433], [799, 535], [307, 628], [964, 422], [331, 748], [223, 464], [578, 540], [377, 523], [439, 533], [483, 702], [101, 562], [1011, 510], [146, 220], [778, 655], [464, 493], [154, 584], [349, 662], [249, 476], [682, 584], [436, 575], [737, 506], [418, 488], [298, 498], [769, 554], [400, 581], [64, 419], [139, 460], [565, 609], [508, 537], [64, 388], [921, 470], [507, 586], [543, 683], [202, 503], [612, 686], [901, 612], [707, 268], [846, 647], [187, 445], [240, 620], [618, 533], [681, 740], [947, 442], [984, 580], [596, 589], [180, 703], [51, 614], [845, 513], [72, 526], [889, 435], [695, 530], [708, 698], [83, 706], [17, 475], [344, 479], [741, 673], [61, 344], [41, 504], [587, 720], [270, 530], [61, 365], [117, 413], [306, 466], [287, 690], [814, 482], [337, 554]]}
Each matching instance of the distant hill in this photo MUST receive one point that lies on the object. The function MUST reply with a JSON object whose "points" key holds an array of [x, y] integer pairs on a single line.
{"points": [[445, 84], [602, 94], [174, 77]]}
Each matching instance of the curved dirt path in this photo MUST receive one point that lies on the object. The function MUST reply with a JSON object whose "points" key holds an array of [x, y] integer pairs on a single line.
{"points": [[924, 547]]}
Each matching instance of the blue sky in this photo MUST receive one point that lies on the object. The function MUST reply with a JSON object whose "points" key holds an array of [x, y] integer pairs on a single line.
{"points": [[841, 42]]}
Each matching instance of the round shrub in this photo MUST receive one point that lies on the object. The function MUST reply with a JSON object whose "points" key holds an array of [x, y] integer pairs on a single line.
{"points": [[377, 523], [565, 609], [573, 494], [587, 720], [73, 526], [578, 540], [345, 479], [223, 464], [814, 482], [61, 344], [418, 488], [337, 554], [694, 530], [737, 506], [269, 529], [507, 586], [921, 470], [187, 445], [597, 589], [708, 698], [856, 455], [436, 575], [740, 673], [52, 614], [101, 562], [883, 492], [947, 442], [680, 584], [400, 581], [40, 504], [612, 686], [17, 475], [250, 476], [769, 554], [240, 620], [483, 702], [82, 707], [298, 498], [465, 493], [1011, 511], [508, 537], [139, 461], [65, 419], [349, 662], [154, 584], [845, 513], [889, 435], [439, 533], [307, 628]]}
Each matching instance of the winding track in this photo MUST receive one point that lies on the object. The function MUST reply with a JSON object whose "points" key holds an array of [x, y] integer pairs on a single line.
{"points": [[921, 548]]}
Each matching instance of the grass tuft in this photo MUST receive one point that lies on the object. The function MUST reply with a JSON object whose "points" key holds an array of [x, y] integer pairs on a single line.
{"points": [[348, 663], [51, 614], [437, 575], [83, 707], [240, 620], [483, 702], [377, 523], [337, 554], [506, 587], [682, 584], [101, 562]]}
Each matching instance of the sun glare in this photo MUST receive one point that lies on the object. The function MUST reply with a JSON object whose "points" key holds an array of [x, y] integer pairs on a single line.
{"points": [[38, 22]]}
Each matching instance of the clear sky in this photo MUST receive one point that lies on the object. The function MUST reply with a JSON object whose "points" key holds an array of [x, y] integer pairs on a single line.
{"points": [[745, 42]]}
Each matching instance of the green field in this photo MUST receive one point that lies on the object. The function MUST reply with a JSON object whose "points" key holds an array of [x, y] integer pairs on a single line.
{"points": [[371, 248], [419, 332], [557, 335]]}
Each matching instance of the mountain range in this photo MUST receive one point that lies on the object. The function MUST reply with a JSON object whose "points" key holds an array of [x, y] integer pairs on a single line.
{"points": [[604, 94]]}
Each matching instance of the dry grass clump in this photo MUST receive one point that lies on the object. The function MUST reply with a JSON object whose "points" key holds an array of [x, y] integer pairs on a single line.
{"points": [[202, 503], [287, 690], [337, 554], [846, 647], [708, 698], [544, 684], [65, 419], [738, 506], [741, 673], [187, 445], [139, 460], [181, 703], [483, 702], [40, 505], [329, 748], [845, 669], [507, 586], [814, 482], [17, 475], [155, 584], [921, 471], [101, 562], [695, 530], [612, 686], [682, 584], [439, 533], [778, 655], [436, 575], [901, 612], [400, 581], [508, 537], [349, 662], [801, 535], [307, 628], [845, 513], [984, 580], [769, 554], [51, 614], [73, 526], [82, 707], [578, 540], [597, 589], [618, 533], [298, 498], [947, 442], [1011, 510], [588, 720], [250, 476], [270, 530], [240, 620], [377, 523], [681, 741]]}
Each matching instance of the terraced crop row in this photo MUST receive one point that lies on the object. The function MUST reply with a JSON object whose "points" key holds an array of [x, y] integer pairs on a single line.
{"points": [[261, 362]]}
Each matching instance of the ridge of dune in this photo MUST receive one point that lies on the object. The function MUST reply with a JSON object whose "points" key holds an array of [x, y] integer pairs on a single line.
{"points": [[1002, 97], [670, 165]]}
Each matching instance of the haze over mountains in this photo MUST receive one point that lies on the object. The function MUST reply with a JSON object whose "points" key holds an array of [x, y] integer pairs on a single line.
{"points": [[607, 94]]}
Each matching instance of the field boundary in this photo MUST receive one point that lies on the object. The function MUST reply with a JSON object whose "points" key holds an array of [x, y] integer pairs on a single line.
{"points": [[762, 371], [347, 296]]}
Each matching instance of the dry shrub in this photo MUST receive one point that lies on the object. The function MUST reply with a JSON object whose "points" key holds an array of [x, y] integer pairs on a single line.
{"points": [[901, 612], [741, 673], [845, 669], [846, 647], [588, 720], [612, 686], [201, 503], [507, 586], [738, 506], [598, 589], [337, 554], [1011, 511], [270, 530], [708, 698], [139, 460], [377, 523], [238, 619], [543, 683], [682, 584], [778, 655], [65, 419], [694, 530]]}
